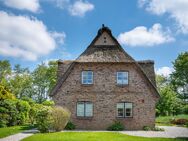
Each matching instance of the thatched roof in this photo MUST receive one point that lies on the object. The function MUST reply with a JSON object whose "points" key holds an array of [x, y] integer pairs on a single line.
{"points": [[108, 53], [104, 53]]}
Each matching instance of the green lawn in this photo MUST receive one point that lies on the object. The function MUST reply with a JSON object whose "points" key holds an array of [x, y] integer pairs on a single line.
{"points": [[6, 131], [91, 136], [166, 119]]}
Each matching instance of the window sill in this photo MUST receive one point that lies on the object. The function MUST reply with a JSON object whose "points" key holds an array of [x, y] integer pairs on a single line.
{"points": [[124, 117], [122, 85], [87, 85], [85, 118]]}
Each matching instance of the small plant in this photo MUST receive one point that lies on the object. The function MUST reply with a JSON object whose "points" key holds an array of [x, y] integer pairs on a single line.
{"points": [[179, 121], [70, 126], [186, 124], [146, 128], [158, 129], [116, 126]]}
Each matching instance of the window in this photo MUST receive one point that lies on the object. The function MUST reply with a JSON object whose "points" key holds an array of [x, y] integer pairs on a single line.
{"points": [[84, 109], [124, 109], [122, 78], [87, 77]]}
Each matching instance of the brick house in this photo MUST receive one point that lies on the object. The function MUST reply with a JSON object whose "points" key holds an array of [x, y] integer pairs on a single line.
{"points": [[105, 84]]}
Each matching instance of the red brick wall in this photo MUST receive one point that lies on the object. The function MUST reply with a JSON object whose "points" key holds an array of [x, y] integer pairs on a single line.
{"points": [[105, 94]]}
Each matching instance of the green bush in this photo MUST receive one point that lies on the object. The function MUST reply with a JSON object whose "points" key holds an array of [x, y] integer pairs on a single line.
{"points": [[158, 129], [33, 112], [116, 126], [185, 109], [70, 126], [43, 119], [180, 121], [9, 112], [146, 128], [186, 124], [23, 108], [48, 103], [5, 94], [60, 118]]}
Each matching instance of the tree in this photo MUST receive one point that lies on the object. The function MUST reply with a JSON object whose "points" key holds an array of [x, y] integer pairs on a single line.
{"points": [[169, 103], [5, 69], [21, 82], [44, 79], [5, 73], [161, 81], [52, 74], [179, 78], [5, 94]]}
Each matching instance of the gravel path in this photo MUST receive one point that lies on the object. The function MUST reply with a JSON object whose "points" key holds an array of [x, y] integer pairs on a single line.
{"points": [[170, 132], [19, 136]]}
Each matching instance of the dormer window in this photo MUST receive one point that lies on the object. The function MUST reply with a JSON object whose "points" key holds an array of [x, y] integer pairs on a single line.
{"points": [[87, 77], [122, 78]]}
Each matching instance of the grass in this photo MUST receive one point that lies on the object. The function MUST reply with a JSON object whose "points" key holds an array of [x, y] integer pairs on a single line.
{"points": [[166, 120], [92, 136], [7, 131]]}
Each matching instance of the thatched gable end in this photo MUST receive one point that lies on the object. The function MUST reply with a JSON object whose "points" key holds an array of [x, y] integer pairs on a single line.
{"points": [[104, 48]]}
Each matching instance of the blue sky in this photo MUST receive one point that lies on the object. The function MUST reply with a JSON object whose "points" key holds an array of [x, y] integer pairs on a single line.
{"points": [[40, 30]]}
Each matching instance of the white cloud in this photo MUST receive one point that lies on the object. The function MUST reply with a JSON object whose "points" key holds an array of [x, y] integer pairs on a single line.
{"points": [[59, 37], [177, 9], [141, 36], [30, 5], [61, 3], [79, 8], [25, 37], [165, 71]]}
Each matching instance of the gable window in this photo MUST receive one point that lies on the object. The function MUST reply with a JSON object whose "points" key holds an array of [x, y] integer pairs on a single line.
{"points": [[84, 109], [87, 77], [122, 78], [124, 109]]}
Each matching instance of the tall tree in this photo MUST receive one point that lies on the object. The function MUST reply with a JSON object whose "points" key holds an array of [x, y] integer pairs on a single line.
{"points": [[169, 103], [52, 74], [21, 82], [5, 71], [179, 77], [44, 77], [161, 81]]}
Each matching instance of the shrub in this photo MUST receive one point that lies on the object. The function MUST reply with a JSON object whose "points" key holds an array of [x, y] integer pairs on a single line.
{"points": [[60, 118], [186, 124], [33, 112], [146, 128], [70, 126], [43, 119], [48, 103], [9, 112], [116, 126], [23, 108], [179, 121], [158, 129], [185, 109], [5, 94]]}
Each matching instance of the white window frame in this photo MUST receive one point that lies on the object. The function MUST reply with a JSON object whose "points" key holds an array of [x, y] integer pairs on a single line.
{"points": [[123, 81], [126, 105], [87, 79], [85, 106]]}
